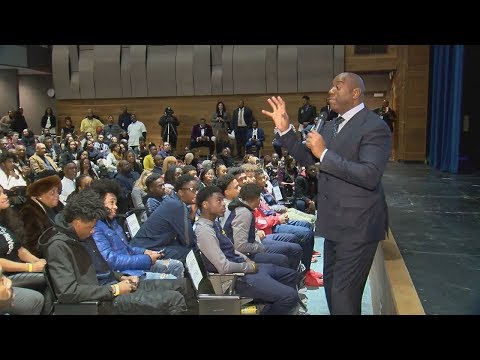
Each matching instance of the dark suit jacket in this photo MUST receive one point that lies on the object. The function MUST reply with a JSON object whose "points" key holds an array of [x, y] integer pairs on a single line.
{"points": [[260, 134], [351, 202], [331, 114], [247, 116], [307, 113], [196, 131]]}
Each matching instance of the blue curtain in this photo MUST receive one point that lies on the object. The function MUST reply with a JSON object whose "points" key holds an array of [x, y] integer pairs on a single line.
{"points": [[446, 107]]}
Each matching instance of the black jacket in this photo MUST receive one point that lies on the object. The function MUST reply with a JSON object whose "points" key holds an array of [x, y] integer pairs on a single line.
{"points": [[74, 278], [53, 121]]}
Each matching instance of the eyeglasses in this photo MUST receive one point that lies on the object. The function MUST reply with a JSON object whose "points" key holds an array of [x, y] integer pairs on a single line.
{"points": [[193, 190]]}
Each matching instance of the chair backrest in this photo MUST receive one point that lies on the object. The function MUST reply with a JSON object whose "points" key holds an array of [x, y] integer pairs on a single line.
{"points": [[129, 222], [198, 272]]}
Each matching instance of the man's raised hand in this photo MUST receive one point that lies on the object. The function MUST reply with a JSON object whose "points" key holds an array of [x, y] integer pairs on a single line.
{"points": [[279, 114]]}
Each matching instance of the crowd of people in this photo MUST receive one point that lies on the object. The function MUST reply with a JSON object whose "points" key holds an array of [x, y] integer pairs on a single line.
{"points": [[59, 203]]}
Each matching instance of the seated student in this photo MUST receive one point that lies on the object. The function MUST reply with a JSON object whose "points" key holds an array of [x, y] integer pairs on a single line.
{"points": [[305, 192], [112, 242], [148, 162], [293, 214], [272, 223], [239, 225], [158, 161], [275, 285], [155, 193], [74, 275], [170, 225]]}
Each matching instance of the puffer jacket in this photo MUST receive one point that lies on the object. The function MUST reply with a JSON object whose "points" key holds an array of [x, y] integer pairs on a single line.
{"points": [[112, 243]]}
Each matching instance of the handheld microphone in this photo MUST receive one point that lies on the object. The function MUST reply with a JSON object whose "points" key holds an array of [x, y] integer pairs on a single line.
{"points": [[321, 121]]}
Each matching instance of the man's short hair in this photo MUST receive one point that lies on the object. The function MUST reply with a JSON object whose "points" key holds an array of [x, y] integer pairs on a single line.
{"points": [[224, 181], [250, 192], [182, 180], [205, 193]]}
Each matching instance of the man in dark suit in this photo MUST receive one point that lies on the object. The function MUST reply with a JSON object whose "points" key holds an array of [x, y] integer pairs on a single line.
{"points": [[242, 120], [306, 113], [386, 113], [202, 135], [328, 110], [352, 213], [255, 136]]}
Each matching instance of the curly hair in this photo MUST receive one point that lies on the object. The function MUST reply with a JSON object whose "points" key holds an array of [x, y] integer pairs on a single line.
{"points": [[84, 206], [104, 186]]}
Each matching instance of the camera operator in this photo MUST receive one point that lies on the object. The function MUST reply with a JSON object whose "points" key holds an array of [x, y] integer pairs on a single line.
{"points": [[169, 124]]}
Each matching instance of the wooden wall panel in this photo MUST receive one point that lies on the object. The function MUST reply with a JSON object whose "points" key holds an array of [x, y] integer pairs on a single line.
{"points": [[411, 84], [188, 110], [370, 63]]}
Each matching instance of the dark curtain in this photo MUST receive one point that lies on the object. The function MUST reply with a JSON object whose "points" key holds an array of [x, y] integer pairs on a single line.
{"points": [[446, 107]]}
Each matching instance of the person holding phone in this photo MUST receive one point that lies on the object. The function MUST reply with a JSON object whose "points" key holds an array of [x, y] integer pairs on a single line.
{"points": [[119, 254]]}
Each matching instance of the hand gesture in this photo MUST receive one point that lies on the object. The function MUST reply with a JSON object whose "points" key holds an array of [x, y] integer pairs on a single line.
{"points": [[279, 114]]}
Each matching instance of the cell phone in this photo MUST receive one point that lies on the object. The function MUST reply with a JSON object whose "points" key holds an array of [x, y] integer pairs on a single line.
{"points": [[161, 251]]}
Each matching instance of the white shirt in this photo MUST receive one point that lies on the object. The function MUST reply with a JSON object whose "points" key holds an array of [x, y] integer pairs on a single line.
{"points": [[68, 186], [8, 181], [254, 133], [347, 116], [241, 120], [135, 131]]}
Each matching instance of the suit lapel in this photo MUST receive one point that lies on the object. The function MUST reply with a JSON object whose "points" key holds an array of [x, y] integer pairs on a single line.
{"points": [[350, 128]]}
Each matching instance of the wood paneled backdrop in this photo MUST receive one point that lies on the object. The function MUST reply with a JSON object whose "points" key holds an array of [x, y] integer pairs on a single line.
{"points": [[189, 110]]}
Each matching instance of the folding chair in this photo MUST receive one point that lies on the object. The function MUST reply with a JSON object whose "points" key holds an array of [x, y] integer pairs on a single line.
{"points": [[215, 292]]}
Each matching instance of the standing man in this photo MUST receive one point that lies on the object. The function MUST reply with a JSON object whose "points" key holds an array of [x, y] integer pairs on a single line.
{"points": [[387, 114], [306, 113], [169, 124], [124, 119], [242, 119], [136, 130], [353, 151], [91, 124]]}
